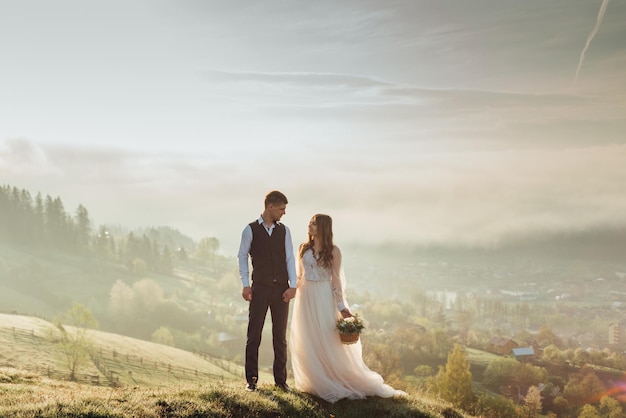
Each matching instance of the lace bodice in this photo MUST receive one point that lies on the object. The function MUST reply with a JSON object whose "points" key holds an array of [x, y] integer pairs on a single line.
{"points": [[312, 270]]}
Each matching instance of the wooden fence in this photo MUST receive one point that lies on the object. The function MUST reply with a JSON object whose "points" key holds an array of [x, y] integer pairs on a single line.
{"points": [[92, 379], [105, 360]]}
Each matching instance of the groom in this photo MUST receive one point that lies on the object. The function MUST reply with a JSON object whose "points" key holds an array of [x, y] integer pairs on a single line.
{"points": [[268, 243]]}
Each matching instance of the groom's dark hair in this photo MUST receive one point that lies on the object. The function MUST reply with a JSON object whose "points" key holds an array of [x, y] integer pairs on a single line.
{"points": [[275, 198]]}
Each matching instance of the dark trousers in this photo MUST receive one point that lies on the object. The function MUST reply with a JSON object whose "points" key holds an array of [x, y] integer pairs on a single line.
{"points": [[264, 297]]}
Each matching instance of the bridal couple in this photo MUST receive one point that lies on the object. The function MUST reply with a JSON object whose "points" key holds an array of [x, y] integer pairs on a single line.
{"points": [[322, 365]]}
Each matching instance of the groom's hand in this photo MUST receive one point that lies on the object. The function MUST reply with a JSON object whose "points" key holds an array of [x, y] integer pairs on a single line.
{"points": [[289, 294], [246, 293]]}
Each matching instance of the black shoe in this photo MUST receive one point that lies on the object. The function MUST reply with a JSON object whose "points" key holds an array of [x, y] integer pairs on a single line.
{"points": [[283, 386], [251, 385]]}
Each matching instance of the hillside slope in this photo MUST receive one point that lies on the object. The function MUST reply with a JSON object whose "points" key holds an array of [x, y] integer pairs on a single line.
{"points": [[131, 377], [28, 395], [27, 343]]}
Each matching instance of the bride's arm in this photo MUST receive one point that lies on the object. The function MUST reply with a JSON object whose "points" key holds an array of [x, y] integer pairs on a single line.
{"points": [[337, 284], [299, 266]]}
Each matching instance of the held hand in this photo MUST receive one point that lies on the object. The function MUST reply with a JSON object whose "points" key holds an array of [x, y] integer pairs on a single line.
{"points": [[346, 313], [289, 294], [246, 293]]}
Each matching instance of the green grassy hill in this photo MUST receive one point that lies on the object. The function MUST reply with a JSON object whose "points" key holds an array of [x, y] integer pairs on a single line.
{"points": [[27, 343], [29, 395], [130, 377]]}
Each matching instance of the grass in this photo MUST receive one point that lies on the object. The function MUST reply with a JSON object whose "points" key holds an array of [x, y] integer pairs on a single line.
{"points": [[26, 395], [24, 345], [159, 381]]}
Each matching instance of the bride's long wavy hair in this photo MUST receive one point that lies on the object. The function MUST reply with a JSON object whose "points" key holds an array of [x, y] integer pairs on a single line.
{"points": [[325, 236]]}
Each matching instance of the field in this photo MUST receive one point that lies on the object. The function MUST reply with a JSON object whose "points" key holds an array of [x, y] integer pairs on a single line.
{"points": [[26, 343]]}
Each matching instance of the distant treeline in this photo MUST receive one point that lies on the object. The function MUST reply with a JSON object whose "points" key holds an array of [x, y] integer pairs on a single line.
{"points": [[43, 222]]}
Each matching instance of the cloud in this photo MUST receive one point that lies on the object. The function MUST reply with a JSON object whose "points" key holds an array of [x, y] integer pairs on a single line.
{"points": [[369, 110], [20, 156], [296, 79], [461, 198], [485, 197]]}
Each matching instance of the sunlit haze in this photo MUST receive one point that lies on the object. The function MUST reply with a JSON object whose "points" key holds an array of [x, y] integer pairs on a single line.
{"points": [[407, 121]]}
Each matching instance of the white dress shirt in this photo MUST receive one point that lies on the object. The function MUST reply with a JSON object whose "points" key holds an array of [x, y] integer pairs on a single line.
{"points": [[244, 254]]}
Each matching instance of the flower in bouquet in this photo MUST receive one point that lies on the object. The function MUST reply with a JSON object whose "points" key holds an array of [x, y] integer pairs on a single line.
{"points": [[351, 325]]}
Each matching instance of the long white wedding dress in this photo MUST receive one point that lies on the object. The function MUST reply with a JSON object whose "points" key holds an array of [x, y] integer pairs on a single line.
{"points": [[322, 364]]}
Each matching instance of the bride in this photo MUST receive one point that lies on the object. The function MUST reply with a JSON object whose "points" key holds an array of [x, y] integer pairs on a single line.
{"points": [[322, 365]]}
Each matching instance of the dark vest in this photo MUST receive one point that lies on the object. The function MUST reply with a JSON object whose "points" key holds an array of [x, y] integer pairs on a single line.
{"points": [[269, 261]]}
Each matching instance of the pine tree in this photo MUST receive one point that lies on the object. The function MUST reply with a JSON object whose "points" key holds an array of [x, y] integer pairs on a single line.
{"points": [[25, 225], [56, 219], [39, 219], [83, 229], [454, 381], [4, 215]]}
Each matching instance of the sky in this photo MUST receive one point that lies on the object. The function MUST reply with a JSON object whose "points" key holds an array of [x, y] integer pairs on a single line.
{"points": [[417, 121]]}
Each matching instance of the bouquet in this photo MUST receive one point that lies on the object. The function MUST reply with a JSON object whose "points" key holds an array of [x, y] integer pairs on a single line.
{"points": [[350, 328]]}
